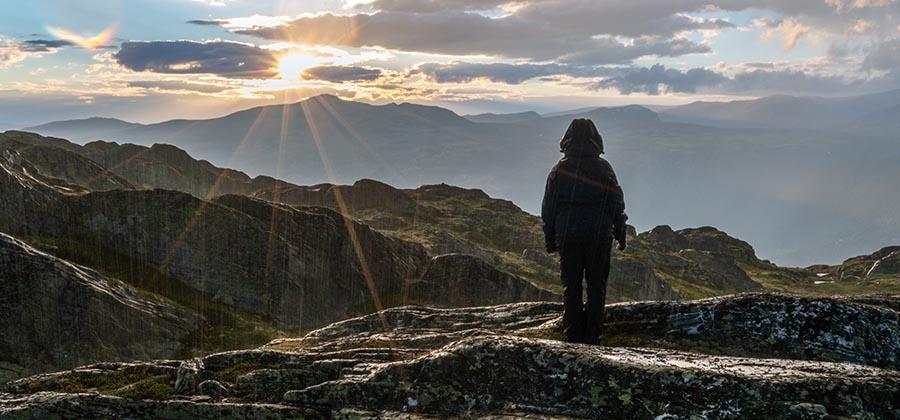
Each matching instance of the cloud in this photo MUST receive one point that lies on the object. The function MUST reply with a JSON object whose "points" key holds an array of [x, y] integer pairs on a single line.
{"points": [[177, 86], [13, 51], [254, 21], [883, 56], [844, 5], [461, 72], [461, 33], [751, 78], [208, 22], [790, 30], [788, 81], [429, 5], [610, 51], [338, 74], [223, 58], [44, 45], [211, 2], [585, 32], [658, 79]]}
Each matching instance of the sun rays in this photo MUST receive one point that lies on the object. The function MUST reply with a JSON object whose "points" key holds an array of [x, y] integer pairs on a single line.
{"points": [[292, 65]]}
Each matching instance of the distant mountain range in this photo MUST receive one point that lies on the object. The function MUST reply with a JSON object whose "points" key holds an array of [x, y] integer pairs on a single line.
{"points": [[878, 111], [802, 179]]}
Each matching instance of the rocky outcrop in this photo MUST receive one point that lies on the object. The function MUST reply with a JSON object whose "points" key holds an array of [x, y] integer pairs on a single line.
{"points": [[167, 167], [888, 265], [632, 279], [708, 238], [441, 242], [301, 268], [702, 239], [28, 196], [496, 374], [365, 194], [541, 258], [663, 236], [61, 163], [767, 325], [860, 267], [458, 280], [719, 271], [61, 406], [504, 361], [56, 315]]}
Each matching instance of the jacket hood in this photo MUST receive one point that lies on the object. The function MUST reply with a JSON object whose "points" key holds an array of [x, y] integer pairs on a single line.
{"points": [[581, 139]]}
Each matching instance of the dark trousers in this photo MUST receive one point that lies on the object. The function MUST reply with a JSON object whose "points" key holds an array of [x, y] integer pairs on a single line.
{"points": [[582, 322]]}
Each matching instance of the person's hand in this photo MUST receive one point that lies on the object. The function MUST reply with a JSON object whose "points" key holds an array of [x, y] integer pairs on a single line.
{"points": [[551, 247], [622, 245]]}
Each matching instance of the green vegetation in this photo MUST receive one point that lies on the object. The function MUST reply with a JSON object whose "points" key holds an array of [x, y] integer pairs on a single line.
{"points": [[231, 373], [292, 345], [142, 382], [223, 328], [555, 334], [158, 387]]}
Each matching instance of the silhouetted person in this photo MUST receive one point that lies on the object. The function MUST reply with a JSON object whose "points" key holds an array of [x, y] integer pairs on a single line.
{"points": [[583, 210]]}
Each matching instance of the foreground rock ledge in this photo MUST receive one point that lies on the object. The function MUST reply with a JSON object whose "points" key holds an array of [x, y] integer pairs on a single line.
{"points": [[755, 355], [486, 374]]}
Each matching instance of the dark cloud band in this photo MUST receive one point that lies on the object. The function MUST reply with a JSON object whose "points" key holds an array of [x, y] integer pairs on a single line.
{"points": [[338, 74], [223, 58]]}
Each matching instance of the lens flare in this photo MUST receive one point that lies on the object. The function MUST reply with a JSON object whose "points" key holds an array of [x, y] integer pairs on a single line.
{"points": [[91, 43]]}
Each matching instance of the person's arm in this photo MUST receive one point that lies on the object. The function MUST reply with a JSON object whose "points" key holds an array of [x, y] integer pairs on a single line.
{"points": [[548, 212], [617, 209]]}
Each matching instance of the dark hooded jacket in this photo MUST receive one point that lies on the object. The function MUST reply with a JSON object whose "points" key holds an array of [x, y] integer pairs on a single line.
{"points": [[582, 200]]}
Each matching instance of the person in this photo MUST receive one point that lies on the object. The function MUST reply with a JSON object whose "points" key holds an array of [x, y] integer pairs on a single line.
{"points": [[583, 211]]}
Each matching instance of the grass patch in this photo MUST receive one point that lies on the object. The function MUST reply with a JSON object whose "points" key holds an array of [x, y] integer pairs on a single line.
{"points": [[136, 382], [292, 345], [542, 334], [158, 387], [231, 373]]}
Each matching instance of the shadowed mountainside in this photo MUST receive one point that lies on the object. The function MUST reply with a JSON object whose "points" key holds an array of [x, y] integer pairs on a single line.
{"points": [[248, 269], [58, 315]]}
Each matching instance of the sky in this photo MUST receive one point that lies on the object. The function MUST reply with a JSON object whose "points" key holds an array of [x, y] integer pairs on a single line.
{"points": [[154, 60]]}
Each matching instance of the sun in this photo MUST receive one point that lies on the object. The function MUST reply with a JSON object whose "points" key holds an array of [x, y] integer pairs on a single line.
{"points": [[291, 66]]}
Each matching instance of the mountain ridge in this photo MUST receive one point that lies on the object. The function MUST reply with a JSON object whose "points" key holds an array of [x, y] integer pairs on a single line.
{"points": [[677, 173]]}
